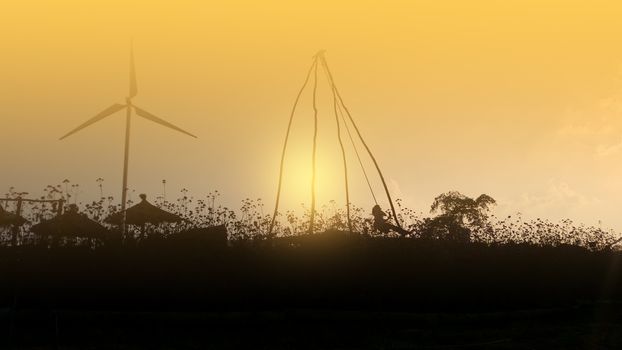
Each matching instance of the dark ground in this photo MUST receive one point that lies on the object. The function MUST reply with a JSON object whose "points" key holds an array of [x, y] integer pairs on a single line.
{"points": [[573, 328], [320, 293]]}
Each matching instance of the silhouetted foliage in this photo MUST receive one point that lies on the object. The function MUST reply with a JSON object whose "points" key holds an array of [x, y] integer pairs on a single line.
{"points": [[458, 215], [462, 209], [459, 219]]}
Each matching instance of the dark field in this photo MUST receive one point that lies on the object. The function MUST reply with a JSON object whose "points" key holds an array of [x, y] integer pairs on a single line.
{"points": [[328, 291], [579, 327]]}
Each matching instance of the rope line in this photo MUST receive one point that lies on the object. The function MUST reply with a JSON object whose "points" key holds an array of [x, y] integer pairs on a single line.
{"points": [[358, 156], [356, 151], [371, 155]]}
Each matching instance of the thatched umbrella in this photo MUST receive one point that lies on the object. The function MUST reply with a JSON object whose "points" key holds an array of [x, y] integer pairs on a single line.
{"points": [[70, 224], [8, 219], [143, 213]]}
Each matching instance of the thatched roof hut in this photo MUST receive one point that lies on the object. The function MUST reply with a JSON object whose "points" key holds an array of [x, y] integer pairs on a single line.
{"points": [[143, 213], [70, 224]]}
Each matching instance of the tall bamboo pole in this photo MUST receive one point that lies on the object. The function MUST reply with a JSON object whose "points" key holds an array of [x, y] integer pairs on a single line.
{"points": [[345, 162], [289, 127], [384, 183], [126, 158], [313, 153]]}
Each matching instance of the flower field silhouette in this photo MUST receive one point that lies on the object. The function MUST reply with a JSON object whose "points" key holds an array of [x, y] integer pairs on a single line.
{"points": [[250, 221]]}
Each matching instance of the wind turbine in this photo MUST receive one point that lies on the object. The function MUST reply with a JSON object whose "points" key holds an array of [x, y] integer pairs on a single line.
{"points": [[128, 106]]}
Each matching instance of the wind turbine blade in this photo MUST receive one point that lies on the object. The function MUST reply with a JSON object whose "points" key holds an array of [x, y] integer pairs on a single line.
{"points": [[153, 118], [133, 85], [101, 115]]}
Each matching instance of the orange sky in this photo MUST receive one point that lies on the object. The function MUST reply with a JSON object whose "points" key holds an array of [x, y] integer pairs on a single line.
{"points": [[521, 100]]}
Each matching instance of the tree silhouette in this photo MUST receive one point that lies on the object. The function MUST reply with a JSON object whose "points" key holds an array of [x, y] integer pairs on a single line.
{"points": [[458, 215], [464, 210]]}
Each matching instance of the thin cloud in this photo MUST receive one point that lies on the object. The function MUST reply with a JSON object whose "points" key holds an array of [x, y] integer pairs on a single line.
{"points": [[558, 197]]}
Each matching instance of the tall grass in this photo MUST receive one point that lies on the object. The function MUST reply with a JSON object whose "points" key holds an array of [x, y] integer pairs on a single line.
{"points": [[251, 220]]}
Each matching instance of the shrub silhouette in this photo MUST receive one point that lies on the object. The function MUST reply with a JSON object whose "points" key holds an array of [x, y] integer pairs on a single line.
{"points": [[462, 209], [459, 219], [458, 215]]}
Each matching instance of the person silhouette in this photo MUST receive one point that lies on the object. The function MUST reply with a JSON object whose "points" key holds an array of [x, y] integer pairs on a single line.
{"points": [[381, 222]]}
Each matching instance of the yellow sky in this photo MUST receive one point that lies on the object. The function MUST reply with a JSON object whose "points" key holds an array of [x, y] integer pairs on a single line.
{"points": [[517, 99]]}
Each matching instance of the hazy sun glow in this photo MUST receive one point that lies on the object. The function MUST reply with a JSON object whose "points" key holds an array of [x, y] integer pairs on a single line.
{"points": [[516, 99]]}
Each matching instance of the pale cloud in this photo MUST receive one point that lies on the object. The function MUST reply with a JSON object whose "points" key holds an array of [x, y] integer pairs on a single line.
{"points": [[560, 194], [597, 127], [603, 151], [586, 129], [558, 200]]}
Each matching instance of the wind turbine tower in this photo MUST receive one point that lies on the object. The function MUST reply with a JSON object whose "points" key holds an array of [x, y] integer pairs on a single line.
{"points": [[128, 106]]}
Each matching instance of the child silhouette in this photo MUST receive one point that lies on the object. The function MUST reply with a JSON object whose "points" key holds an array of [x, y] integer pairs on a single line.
{"points": [[381, 224]]}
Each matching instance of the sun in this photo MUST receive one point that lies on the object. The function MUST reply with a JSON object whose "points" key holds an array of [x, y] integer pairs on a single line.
{"points": [[297, 179]]}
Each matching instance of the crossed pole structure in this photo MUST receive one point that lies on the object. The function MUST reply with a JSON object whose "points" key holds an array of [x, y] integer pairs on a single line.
{"points": [[342, 116], [129, 106]]}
